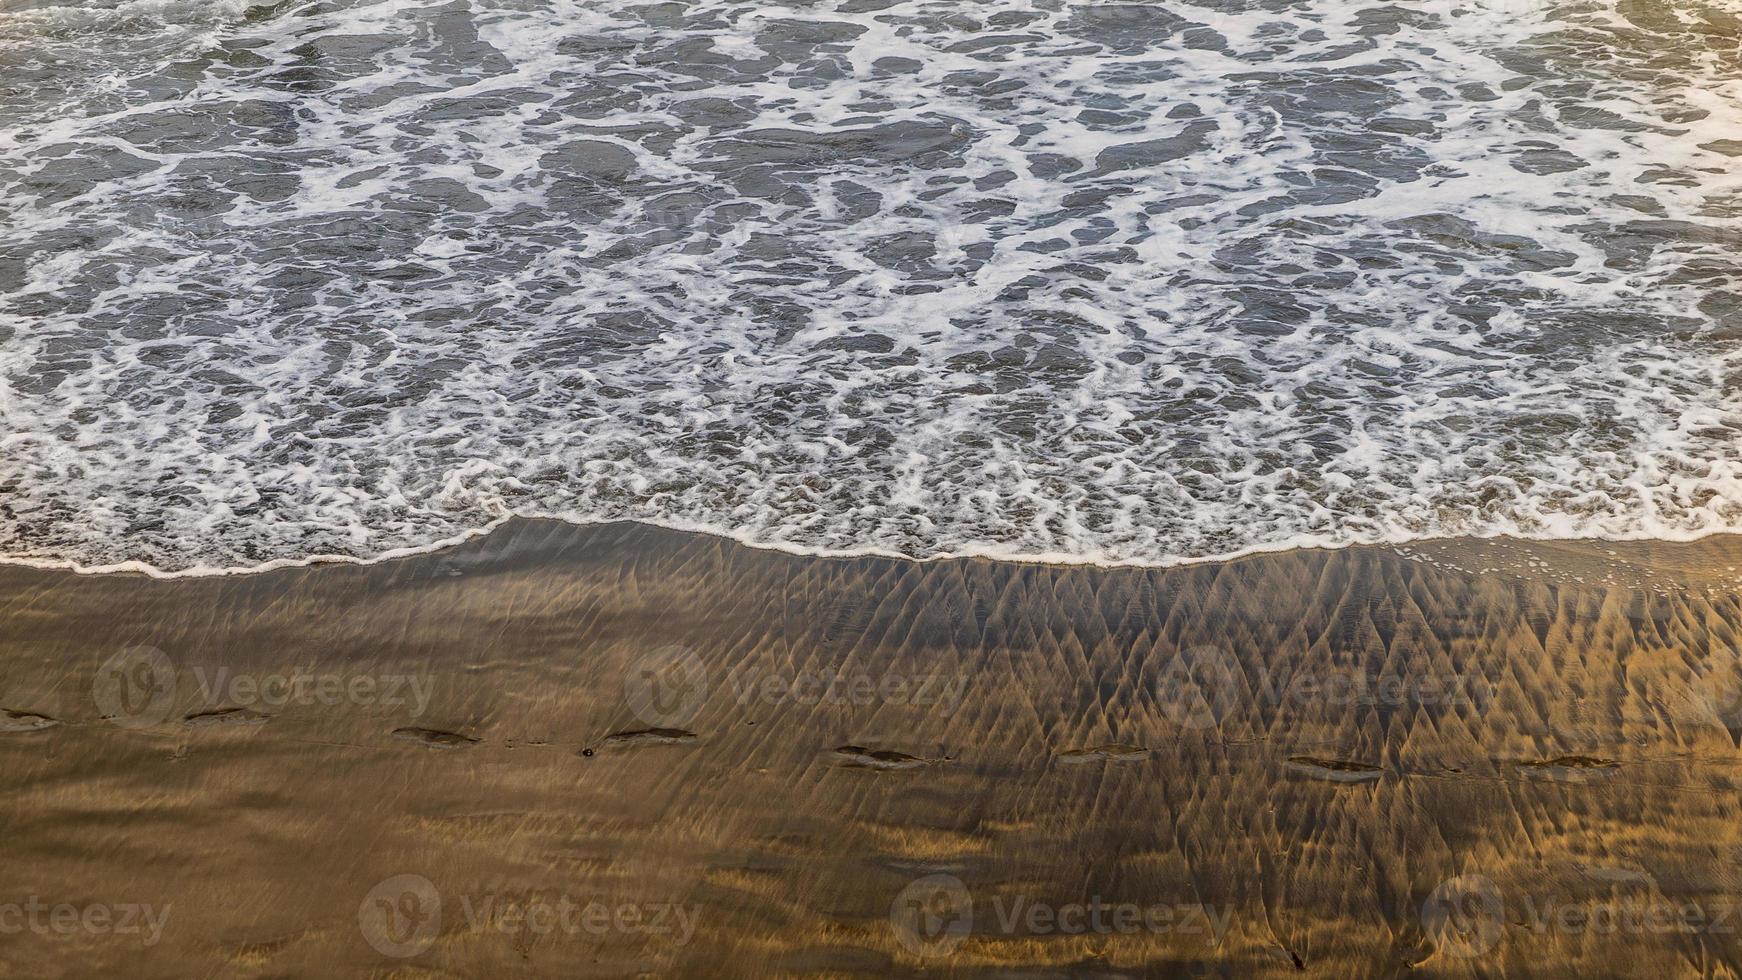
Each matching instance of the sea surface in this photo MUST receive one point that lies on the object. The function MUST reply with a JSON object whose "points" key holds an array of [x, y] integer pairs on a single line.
{"points": [[1070, 281]]}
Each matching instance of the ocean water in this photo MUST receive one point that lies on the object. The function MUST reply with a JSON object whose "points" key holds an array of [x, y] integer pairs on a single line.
{"points": [[1114, 282]]}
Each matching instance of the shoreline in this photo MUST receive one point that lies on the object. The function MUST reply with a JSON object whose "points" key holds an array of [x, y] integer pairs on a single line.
{"points": [[1050, 560], [1256, 764]]}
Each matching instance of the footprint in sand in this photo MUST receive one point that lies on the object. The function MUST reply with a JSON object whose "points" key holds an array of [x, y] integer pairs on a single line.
{"points": [[12, 722], [1334, 770], [1568, 768], [860, 757], [225, 717], [648, 736], [1612, 875], [1107, 753], [435, 737]]}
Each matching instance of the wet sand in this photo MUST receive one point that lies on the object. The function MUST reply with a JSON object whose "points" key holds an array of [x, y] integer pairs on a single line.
{"points": [[621, 751]]}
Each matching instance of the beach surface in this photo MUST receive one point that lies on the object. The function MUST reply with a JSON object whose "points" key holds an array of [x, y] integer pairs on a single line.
{"points": [[619, 751]]}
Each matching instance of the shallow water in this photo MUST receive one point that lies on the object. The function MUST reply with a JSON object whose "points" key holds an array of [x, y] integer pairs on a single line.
{"points": [[1328, 751], [1112, 282]]}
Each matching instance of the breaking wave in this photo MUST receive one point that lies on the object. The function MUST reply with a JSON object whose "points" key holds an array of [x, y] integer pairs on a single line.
{"points": [[1066, 281]]}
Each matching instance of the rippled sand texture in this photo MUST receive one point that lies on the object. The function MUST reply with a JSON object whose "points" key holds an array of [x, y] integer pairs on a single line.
{"points": [[1596, 765], [1016, 278]]}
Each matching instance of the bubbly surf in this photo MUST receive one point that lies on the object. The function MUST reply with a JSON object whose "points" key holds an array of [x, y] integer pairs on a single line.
{"points": [[1119, 283]]}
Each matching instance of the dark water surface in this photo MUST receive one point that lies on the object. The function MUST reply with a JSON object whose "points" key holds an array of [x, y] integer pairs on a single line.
{"points": [[1137, 282]]}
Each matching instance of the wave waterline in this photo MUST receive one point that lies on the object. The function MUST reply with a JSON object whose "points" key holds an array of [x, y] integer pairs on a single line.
{"points": [[1403, 546]]}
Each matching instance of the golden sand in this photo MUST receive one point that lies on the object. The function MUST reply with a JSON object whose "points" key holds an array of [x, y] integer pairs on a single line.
{"points": [[621, 751]]}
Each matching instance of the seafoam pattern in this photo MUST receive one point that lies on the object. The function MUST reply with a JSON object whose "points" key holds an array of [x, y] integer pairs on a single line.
{"points": [[1133, 282]]}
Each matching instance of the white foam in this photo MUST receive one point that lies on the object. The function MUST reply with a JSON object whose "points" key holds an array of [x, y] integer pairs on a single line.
{"points": [[369, 276]]}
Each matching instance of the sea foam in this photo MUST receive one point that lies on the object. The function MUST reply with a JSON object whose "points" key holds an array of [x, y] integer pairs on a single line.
{"points": [[1122, 283]]}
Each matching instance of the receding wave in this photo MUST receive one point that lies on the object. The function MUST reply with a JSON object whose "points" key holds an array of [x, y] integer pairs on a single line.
{"points": [[1125, 282]]}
